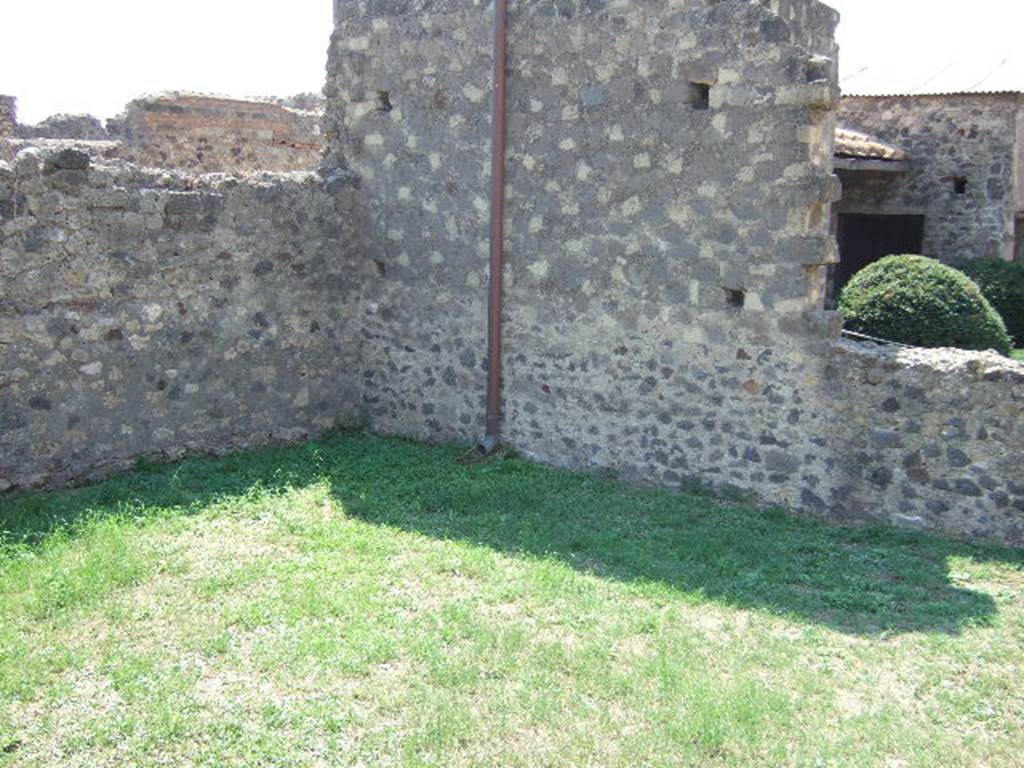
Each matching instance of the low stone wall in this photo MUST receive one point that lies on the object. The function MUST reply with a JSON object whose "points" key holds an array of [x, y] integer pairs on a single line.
{"points": [[152, 313], [101, 151], [925, 438], [206, 134]]}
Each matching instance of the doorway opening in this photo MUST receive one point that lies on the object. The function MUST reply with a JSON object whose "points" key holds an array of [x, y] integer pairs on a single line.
{"points": [[864, 238]]}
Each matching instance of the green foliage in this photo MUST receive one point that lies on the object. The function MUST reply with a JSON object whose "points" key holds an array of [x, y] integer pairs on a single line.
{"points": [[1002, 283], [917, 300]]}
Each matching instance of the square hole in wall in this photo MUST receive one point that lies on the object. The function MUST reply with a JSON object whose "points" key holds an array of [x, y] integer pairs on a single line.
{"points": [[384, 101], [959, 185], [735, 298], [700, 95]]}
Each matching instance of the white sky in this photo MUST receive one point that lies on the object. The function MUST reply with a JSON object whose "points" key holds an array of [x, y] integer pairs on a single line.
{"points": [[96, 55], [929, 46]]}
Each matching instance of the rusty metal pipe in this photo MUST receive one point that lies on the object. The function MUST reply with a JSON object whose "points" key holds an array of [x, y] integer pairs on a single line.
{"points": [[499, 133]]}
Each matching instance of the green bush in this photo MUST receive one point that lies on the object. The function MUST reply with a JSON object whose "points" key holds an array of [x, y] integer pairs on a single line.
{"points": [[917, 300], [1002, 283]]}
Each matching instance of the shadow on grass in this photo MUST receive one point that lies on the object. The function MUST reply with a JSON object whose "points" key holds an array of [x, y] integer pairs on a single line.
{"points": [[863, 581]]}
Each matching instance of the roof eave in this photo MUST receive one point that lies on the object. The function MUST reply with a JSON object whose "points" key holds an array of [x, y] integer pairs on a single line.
{"points": [[866, 164]]}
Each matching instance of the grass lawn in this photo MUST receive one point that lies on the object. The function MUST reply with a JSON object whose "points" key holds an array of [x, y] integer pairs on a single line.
{"points": [[1017, 354], [372, 602]]}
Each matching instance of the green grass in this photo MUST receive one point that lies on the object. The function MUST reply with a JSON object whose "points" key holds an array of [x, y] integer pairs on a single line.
{"points": [[1017, 354], [373, 602]]}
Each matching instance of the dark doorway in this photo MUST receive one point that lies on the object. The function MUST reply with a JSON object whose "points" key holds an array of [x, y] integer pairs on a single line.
{"points": [[1018, 239], [865, 238]]}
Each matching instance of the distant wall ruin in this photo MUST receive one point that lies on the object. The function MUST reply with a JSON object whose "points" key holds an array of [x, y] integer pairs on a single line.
{"points": [[80, 127], [189, 132], [205, 134]]}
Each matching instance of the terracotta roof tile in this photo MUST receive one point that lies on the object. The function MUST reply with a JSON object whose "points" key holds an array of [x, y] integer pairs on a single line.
{"points": [[853, 143]]}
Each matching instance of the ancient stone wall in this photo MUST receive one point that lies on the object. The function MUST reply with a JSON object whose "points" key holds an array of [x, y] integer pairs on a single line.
{"points": [[105, 150], [667, 219], [189, 132], [62, 126], [669, 181], [668, 214], [966, 138], [84, 132], [148, 313], [926, 439], [205, 134], [8, 117]]}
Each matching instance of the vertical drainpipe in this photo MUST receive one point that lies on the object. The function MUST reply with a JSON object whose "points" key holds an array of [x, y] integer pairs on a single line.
{"points": [[499, 126]]}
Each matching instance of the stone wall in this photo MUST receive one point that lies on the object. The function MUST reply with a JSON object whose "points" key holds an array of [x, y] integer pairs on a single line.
{"points": [[188, 132], [152, 313], [206, 134], [973, 137], [668, 216], [667, 228], [62, 126], [98, 150], [8, 117], [1019, 165], [666, 250], [927, 439]]}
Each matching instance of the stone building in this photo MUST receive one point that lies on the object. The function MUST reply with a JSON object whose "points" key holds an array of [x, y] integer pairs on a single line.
{"points": [[941, 175]]}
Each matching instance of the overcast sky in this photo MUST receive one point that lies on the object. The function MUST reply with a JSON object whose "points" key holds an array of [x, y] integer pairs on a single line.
{"points": [[95, 55]]}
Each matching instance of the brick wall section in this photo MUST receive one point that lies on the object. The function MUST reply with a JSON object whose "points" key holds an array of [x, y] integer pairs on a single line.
{"points": [[205, 134], [974, 137], [151, 314]]}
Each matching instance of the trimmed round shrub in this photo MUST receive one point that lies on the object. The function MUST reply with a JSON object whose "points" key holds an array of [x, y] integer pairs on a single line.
{"points": [[1002, 283], [917, 300]]}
